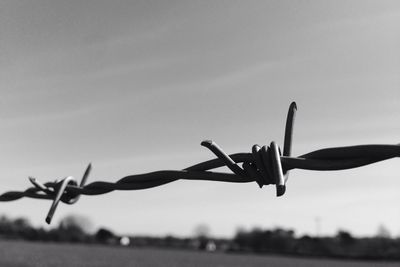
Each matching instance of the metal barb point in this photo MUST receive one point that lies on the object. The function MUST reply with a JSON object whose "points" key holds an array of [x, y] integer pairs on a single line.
{"points": [[39, 185], [287, 144], [230, 163], [277, 170], [59, 192], [85, 176], [288, 139]]}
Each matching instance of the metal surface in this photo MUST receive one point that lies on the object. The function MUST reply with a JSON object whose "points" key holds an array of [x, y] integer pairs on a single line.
{"points": [[264, 165]]}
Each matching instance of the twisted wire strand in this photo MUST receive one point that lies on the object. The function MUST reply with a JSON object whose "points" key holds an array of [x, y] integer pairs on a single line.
{"points": [[264, 165], [337, 158]]}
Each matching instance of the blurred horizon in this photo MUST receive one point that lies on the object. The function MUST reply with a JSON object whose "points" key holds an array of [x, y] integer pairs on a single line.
{"points": [[135, 86], [86, 226]]}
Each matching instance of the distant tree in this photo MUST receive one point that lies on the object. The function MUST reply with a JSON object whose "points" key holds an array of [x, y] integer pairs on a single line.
{"points": [[345, 238], [22, 223], [202, 233], [241, 240], [23, 229], [282, 240], [5, 225], [73, 228], [382, 232], [105, 236], [78, 222]]}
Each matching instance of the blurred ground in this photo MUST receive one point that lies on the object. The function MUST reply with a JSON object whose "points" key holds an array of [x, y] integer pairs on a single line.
{"points": [[19, 253]]}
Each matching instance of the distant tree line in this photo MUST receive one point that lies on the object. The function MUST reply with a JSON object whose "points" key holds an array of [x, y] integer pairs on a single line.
{"points": [[343, 245], [70, 229], [277, 241]]}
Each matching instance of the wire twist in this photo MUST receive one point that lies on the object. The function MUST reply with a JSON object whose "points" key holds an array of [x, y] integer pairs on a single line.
{"points": [[264, 165]]}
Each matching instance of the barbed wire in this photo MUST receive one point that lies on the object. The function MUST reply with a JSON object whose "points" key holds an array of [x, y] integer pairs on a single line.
{"points": [[266, 165]]}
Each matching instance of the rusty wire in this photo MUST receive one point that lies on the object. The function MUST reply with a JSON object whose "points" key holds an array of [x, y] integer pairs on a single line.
{"points": [[264, 165]]}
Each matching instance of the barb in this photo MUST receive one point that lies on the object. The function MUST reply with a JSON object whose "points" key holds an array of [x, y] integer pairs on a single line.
{"points": [[264, 165]]}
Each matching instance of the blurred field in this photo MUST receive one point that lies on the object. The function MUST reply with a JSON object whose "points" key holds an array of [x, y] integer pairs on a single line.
{"points": [[19, 253]]}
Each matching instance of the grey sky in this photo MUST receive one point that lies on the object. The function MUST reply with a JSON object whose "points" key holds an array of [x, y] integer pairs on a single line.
{"points": [[135, 86]]}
